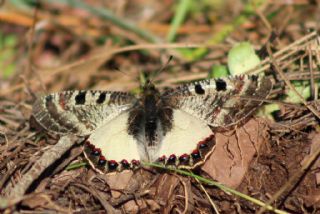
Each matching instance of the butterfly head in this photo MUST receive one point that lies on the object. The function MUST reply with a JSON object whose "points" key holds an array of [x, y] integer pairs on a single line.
{"points": [[149, 88]]}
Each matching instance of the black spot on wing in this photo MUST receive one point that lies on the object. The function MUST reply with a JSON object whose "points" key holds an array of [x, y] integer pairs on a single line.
{"points": [[102, 98], [49, 99], [81, 98], [49, 103], [254, 77], [221, 85], [198, 89]]}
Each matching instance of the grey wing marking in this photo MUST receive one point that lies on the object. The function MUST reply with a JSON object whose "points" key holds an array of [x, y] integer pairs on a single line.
{"points": [[221, 102], [79, 112]]}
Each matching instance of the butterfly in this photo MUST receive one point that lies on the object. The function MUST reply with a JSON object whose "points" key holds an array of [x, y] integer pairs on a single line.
{"points": [[175, 127]]}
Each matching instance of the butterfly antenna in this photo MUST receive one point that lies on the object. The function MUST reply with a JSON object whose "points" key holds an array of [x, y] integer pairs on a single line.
{"points": [[127, 74], [121, 71], [165, 66]]}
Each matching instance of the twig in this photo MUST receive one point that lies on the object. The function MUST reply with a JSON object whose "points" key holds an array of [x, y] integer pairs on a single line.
{"points": [[49, 157], [284, 54], [214, 206], [102, 199], [288, 83]]}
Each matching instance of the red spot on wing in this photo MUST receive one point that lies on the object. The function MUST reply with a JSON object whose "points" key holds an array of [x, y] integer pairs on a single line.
{"points": [[195, 154], [102, 161], [209, 138], [184, 158], [112, 164], [239, 86], [102, 157], [62, 101], [216, 112], [162, 158], [125, 163], [135, 162], [96, 152], [172, 158], [91, 146]]}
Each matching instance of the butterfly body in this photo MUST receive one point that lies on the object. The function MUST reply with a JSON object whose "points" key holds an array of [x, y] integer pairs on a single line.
{"points": [[174, 127]]}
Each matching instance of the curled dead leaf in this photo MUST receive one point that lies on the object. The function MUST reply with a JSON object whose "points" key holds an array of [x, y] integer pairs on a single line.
{"points": [[234, 151]]}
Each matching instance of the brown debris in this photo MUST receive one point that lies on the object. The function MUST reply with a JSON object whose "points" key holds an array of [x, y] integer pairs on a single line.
{"points": [[272, 160], [42, 164], [165, 186], [118, 182]]}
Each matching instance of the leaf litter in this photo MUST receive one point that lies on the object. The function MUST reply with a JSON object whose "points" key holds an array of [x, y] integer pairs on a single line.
{"points": [[273, 161]]}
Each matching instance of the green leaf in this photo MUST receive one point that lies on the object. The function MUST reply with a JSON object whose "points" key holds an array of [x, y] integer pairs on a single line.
{"points": [[218, 71], [267, 110], [241, 58], [8, 50], [303, 88]]}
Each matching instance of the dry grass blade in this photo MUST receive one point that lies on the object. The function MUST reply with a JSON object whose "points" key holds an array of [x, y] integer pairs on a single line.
{"points": [[284, 56], [214, 206]]}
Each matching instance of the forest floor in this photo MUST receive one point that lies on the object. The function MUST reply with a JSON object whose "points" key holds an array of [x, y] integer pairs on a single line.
{"points": [[273, 158]]}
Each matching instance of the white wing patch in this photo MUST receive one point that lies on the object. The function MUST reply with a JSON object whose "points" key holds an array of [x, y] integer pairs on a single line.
{"points": [[187, 131], [113, 143]]}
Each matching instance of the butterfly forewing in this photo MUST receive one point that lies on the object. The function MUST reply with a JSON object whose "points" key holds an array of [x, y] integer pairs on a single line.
{"points": [[79, 112], [222, 102]]}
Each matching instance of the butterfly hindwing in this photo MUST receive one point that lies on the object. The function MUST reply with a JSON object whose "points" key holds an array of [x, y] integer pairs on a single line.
{"points": [[79, 112], [110, 147], [189, 142]]}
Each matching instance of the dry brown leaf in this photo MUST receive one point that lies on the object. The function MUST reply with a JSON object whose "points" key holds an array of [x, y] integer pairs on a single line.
{"points": [[36, 201], [118, 181], [312, 198], [43, 201], [131, 207], [153, 205], [165, 186], [233, 153], [135, 206]]}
